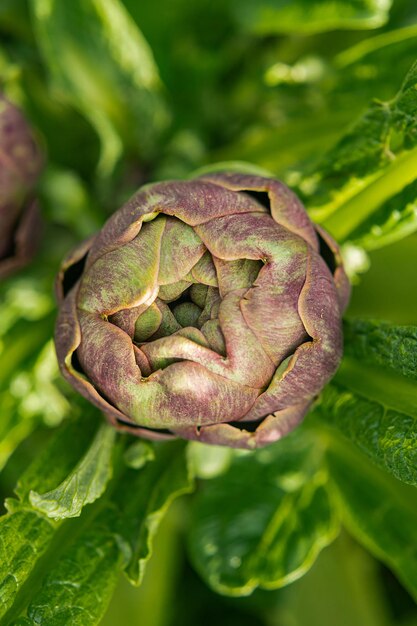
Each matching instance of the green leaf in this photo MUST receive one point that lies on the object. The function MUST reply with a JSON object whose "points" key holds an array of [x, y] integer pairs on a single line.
{"points": [[25, 536], [267, 17], [100, 63], [384, 344], [393, 221], [138, 454], [378, 510], [386, 373], [77, 588], [374, 161], [59, 457], [61, 572], [373, 398], [387, 436], [87, 481], [154, 487], [263, 523], [209, 461]]}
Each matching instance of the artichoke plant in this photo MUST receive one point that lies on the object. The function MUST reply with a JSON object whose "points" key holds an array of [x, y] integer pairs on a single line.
{"points": [[208, 309], [20, 165]]}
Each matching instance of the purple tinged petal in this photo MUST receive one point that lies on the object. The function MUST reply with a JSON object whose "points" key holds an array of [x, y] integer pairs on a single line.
{"points": [[237, 274], [286, 208], [169, 293], [125, 277], [205, 272], [148, 323], [270, 307], [24, 241], [21, 162], [169, 324], [242, 349], [126, 318], [213, 333], [67, 340], [273, 428], [315, 361], [181, 249], [339, 276]]}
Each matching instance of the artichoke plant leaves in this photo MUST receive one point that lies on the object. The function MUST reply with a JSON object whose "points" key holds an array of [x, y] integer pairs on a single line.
{"points": [[377, 411], [120, 95], [319, 92], [379, 511], [155, 487], [394, 220], [264, 521], [87, 481], [372, 162], [65, 571]]}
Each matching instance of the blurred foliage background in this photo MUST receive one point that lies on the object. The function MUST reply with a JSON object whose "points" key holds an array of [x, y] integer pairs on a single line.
{"points": [[124, 92]]}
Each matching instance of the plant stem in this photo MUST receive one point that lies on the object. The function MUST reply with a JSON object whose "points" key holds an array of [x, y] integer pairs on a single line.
{"points": [[354, 211]]}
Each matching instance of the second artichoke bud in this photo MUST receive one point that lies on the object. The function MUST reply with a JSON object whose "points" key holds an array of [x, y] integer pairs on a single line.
{"points": [[207, 309], [20, 165]]}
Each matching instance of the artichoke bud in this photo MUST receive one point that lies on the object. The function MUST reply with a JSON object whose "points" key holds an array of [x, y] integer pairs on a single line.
{"points": [[20, 166], [218, 320]]}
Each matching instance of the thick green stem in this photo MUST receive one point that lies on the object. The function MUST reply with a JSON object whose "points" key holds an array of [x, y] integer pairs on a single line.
{"points": [[358, 208]]}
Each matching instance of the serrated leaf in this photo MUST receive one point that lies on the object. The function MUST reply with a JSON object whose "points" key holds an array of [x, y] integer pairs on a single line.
{"points": [[267, 17], [380, 343], [378, 510], [85, 484], [319, 94], [373, 398], [155, 486], [379, 375], [61, 572], [387, 436], [263, 522], [77, 588], [393, 221], [24, 537], [372, 162], [120, 94], [59, 456]]}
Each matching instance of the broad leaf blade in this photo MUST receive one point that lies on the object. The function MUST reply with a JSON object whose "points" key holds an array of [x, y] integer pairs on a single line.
{"points": [[387, 436], [265, 520], [381, 343], [25, 536], [84, 484], [59, 456], [78, 586], [65, 572], [154, 487], [373, 398], [394, 220], [372, 162], [378, 510]]}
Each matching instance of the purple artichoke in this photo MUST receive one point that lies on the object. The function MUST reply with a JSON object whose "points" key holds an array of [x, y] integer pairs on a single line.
{"points": [[207, 309], [20, 165]]}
